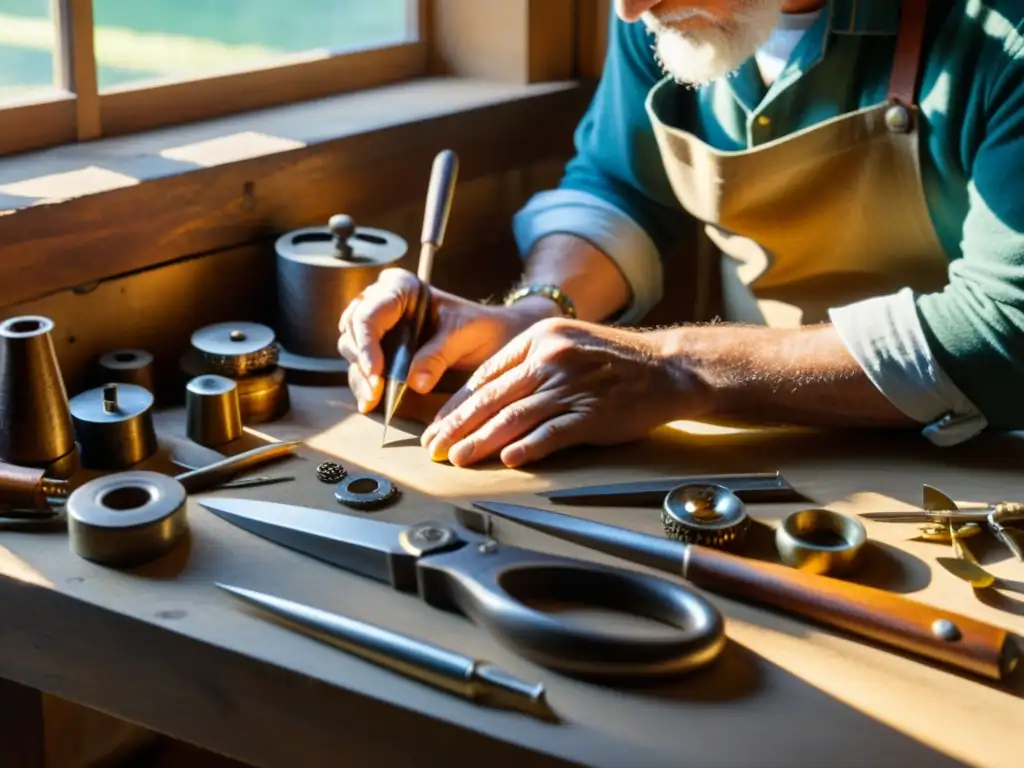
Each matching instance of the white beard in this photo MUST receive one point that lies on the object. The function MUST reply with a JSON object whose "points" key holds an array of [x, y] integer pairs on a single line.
{"points": [[699, 56]]}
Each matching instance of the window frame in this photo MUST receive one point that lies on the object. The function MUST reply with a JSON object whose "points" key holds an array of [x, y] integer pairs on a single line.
{"points": [[540, 41], [94, 206], [77, 111]]}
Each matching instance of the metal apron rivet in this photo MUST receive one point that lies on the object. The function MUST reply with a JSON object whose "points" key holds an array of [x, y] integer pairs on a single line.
{"points": [[897, 118]]}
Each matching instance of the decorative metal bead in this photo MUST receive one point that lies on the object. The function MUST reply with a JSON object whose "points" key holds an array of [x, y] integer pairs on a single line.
{"points": [[330, 472]]}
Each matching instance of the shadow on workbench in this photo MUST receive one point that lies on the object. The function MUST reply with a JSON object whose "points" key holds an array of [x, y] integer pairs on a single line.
{"points": [[168, 753]]}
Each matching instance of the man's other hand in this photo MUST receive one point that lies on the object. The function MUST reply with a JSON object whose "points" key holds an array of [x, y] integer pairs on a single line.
{"points": [[561, 383]]}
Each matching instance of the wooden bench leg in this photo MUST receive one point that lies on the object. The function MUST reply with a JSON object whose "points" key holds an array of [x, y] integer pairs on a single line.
{"points": [[21, 726]]}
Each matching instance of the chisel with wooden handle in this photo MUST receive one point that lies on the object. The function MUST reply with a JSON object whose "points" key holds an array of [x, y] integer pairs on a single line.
{"points": [[874, 614]]}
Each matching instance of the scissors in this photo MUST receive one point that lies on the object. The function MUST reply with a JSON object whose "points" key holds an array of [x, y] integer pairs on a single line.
{"points": [[940, 508], [453, 568], [874, 614]]}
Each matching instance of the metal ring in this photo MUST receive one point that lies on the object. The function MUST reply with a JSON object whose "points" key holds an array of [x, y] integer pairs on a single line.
{"points": [[820, 541], [126, 519], [365, 491]]}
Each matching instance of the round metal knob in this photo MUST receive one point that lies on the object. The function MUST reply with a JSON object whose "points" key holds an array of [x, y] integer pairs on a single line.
{"points": [[342, 226]]}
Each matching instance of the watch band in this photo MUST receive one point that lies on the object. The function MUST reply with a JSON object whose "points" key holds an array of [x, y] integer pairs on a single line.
{"points": [[552, 292]]}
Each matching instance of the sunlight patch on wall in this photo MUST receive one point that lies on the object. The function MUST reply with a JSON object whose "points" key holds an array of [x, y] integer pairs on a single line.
{"points": [[229, 149], [63, 186]]}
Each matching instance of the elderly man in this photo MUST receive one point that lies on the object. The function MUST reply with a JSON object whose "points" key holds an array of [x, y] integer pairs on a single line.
{"points": [[856, 166]]}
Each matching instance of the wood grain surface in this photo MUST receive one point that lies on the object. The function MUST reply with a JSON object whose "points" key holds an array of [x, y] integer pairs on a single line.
{"points": [[163, 647]]}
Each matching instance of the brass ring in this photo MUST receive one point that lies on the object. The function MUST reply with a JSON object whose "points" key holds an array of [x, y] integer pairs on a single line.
{"points": [[820, 541]]}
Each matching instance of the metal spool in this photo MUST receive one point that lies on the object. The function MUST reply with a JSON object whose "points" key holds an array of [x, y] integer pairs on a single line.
{"points": [[126, 366], [708, 515], [212, 413], [236, 349], [114, 425], [320, 270], [126, 519]]}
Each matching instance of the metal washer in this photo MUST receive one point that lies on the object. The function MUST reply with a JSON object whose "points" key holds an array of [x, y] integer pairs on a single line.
{"points": [[380, 491]]}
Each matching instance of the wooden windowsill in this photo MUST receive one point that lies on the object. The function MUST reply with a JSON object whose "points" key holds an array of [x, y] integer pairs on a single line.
{"points": [[79, 213]]}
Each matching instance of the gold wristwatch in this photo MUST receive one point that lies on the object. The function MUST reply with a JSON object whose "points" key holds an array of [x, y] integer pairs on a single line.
{"points": [[552, 292]]}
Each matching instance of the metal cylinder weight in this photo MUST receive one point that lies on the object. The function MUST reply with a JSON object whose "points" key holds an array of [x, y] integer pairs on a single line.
{"points": [[114, 426], [320, 270], [213, 416]]}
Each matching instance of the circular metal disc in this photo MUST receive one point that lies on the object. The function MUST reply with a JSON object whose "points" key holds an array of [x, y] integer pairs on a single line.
{"points": [[364, 491], [315, 246], [233, 339], [132, 401]]}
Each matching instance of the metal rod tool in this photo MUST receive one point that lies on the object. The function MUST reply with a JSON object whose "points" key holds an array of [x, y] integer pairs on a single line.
{"points": [[213, 475], [764, 487], [402, 341], [468, 678]]}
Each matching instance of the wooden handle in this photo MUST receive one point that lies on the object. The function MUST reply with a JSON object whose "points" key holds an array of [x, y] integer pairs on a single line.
{"points": [[875, 614], [22, 488]]}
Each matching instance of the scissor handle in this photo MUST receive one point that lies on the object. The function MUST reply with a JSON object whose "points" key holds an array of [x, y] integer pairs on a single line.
{"points": [[494, 585]]}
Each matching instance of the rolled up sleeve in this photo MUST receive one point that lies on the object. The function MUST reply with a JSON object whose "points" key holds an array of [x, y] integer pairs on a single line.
{"points": [[610, 230], [954, 359], [615, 193], [887, 339]]}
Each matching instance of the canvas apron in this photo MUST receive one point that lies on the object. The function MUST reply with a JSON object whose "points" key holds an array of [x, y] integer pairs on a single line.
{"points": [[824, 217]]}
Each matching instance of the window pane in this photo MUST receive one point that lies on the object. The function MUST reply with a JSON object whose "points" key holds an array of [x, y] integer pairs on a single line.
{"points": [[139, 40], [27, 40]]}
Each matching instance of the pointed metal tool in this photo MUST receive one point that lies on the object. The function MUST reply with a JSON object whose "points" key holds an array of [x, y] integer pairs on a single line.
{"points": [[402, 340], [474, 680]]}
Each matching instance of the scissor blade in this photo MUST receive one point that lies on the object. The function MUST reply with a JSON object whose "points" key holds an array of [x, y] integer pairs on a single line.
{"points": [[368, 547], [758, 487], [641, 548]]}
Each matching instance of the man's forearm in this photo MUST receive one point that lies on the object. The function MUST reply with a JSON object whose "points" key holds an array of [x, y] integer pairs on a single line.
{"points": [[590, 279], [758, 375]]}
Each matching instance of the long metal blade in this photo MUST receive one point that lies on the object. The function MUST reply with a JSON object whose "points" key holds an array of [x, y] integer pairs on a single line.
{"points": [[641, 548], [959, 516], [368, 547], [758, 487]]}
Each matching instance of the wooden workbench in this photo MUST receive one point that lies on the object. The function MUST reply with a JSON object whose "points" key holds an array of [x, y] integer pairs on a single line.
{"points": [[163, 647]]}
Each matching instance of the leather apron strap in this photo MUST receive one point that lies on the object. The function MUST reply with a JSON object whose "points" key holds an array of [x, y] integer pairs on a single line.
{"points": [[906, 62]]}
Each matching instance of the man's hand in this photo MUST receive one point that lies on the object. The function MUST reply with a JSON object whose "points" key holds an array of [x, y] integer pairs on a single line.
{"points": [[562, 383], [464, 334]]}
